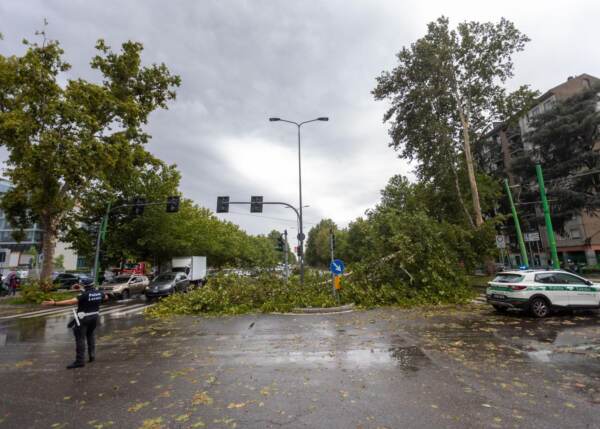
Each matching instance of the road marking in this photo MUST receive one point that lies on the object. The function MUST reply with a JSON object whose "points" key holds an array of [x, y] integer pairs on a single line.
{"points": [[116, 309], [38, 312], [29, 312], [133, 311], [119, 309], [481, 299], [50, 313]]}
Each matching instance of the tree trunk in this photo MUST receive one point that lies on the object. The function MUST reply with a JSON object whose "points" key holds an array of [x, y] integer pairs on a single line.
{"points": [[460, 197], [48, 247], [471, 171]]}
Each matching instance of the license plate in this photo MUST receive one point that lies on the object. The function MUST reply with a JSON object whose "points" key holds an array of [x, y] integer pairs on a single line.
{"points": [[498, 296]]}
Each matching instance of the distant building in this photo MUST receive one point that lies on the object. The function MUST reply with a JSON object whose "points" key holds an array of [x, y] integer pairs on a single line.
{"points": [[581, 240], [15, 254]]}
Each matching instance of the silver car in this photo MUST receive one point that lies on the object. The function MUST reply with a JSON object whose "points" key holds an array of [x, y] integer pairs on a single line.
{"points": [[125, 285]]}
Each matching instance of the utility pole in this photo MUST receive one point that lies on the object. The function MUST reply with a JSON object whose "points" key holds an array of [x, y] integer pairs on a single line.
{"points": [[287, 267], [517, 225], [546, 208]]}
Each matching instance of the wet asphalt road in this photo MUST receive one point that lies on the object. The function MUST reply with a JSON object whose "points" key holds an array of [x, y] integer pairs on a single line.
{"points": [[457, 367]]}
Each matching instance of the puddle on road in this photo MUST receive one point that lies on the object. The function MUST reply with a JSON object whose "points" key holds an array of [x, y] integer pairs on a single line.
{"points": [[410, 359]]}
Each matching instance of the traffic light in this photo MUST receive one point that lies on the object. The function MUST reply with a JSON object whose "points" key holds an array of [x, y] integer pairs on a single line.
{"points": [[256, 205], [280, 243], [173, 204], [222, 204], [138, 206]]}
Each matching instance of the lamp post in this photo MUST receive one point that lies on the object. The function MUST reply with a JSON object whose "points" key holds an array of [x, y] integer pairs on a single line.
{"points": [[301, 235]]}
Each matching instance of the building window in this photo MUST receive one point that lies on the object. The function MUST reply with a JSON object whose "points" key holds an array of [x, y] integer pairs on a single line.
{"points": [[575, 233], [2, 257], [81, 263]]}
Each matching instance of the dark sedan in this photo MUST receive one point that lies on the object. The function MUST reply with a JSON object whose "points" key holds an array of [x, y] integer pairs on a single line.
{"points": [[167, 284], [67, 280]]}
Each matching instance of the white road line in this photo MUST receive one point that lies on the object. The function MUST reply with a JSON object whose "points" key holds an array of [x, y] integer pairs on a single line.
{"points": [[50, 314], [116, 309], [63, 313], [132, 311], [37, 313]]}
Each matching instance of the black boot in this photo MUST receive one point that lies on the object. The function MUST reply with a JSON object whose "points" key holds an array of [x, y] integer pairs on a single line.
{"points": [[92, 358], [76, 365]]}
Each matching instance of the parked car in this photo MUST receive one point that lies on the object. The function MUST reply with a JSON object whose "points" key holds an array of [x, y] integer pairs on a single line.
{"points": [[167, 284], [68, 280], [123, 286], [542, 291]]}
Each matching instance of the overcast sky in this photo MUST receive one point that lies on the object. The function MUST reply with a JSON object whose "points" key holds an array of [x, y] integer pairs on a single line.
{"points": [[244, 61]]}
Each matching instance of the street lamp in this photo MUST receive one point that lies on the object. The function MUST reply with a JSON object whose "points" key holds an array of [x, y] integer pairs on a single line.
{"points": [[301, 235]]}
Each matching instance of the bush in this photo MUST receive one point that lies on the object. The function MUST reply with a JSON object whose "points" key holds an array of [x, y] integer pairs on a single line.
{"points": [[34, 293], [591, 270]]}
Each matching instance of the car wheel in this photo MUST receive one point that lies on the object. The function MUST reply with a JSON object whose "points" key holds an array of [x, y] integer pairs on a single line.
{"points": [[539, 307], [125, 294], [500, 309]]}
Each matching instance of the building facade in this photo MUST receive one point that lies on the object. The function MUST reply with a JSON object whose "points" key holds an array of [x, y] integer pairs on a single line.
{"points": [[580, 241]]}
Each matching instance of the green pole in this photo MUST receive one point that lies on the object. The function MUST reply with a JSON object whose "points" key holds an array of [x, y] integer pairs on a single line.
{"points": [[101, 236], [517, 225], [549, 229]]}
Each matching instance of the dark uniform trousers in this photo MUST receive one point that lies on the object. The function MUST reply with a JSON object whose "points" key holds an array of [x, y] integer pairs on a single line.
{"points": [[83, 333]]}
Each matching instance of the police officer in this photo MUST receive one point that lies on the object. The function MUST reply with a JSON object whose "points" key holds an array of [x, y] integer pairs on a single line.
{"points": [[83, 323]]}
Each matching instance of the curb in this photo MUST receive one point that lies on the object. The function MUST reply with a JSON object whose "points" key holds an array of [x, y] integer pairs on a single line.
{"points": [[325, 310]]}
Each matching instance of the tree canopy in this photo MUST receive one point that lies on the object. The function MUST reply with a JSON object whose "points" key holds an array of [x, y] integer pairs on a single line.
{"points": [[445, 92], [64, 140]]}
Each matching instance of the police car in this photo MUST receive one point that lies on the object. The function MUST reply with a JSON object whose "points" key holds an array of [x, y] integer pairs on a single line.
{"points": [[541, 291]]}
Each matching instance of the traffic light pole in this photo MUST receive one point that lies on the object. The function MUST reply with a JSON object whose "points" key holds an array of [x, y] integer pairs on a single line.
{"points": [[287, 269]]}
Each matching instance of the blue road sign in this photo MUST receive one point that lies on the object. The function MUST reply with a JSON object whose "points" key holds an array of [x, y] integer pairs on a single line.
{"points": [[337, 267]]}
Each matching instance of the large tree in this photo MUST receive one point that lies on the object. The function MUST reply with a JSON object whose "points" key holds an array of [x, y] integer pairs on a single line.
{"points": [[565, 141], [66, 138], [445, 92]]}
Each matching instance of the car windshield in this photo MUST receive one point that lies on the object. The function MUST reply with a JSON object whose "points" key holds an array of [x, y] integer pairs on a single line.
{"points": [[508, 278], [164, 277], [119, 279]]}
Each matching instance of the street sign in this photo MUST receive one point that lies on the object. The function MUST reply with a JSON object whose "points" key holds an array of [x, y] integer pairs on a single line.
{"points": [[337, 283], [532, 236], [337, 267], [301, 236], [500, 243]]}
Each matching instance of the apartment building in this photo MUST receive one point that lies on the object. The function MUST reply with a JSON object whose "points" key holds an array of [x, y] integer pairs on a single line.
{"points": [[580, 241]]}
